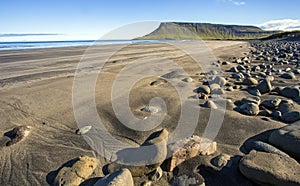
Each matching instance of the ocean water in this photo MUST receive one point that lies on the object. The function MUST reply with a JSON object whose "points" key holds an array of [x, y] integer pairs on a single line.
{"points": [[57, 44]]}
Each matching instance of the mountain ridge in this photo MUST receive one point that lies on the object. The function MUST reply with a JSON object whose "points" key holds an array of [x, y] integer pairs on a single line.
{"points": [[185, 30]]}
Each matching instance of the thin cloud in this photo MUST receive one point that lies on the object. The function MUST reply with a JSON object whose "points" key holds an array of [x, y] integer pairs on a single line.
{"points": [[236, 3], [284, 24], [25, 35]]}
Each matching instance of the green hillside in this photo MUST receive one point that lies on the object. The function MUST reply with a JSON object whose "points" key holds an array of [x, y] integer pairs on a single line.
{"points": [[182, 31], [292, 35]]}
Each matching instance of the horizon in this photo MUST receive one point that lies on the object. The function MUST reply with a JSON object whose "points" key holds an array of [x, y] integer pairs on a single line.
{"points": [[70, 21]]}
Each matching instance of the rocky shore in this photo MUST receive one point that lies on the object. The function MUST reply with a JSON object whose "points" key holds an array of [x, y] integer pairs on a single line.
{"points": [[257, 89]]}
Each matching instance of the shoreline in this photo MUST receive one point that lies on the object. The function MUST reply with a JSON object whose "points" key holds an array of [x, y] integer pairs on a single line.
{"points": [[40, 64]]}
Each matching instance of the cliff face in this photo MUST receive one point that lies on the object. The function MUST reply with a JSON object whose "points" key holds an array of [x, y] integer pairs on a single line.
{"points": [[181, 31]]}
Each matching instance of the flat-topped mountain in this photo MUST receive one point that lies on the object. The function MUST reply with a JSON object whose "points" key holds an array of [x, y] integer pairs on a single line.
{"points": [[178, 30]]}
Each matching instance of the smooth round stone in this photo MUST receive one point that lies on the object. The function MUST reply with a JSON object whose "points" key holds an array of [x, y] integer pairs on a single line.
{"points": [[203, 89], [291, 117], [249, 109], [210, 104], [187, 79], [288, 75], [271, 103], [250, 81]]}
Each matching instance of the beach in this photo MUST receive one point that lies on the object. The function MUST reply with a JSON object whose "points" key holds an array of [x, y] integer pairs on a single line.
{"points": [[36, 89]]}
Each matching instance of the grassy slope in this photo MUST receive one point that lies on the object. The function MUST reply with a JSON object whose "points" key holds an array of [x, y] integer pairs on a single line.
{"points": [[292, 35], [206, 31]]}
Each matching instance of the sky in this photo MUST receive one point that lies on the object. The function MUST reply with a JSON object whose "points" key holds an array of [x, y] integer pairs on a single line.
{"points": [[90, 19]]}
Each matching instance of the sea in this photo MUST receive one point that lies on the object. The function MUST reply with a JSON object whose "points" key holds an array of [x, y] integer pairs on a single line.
{"points": [[58, 44]]}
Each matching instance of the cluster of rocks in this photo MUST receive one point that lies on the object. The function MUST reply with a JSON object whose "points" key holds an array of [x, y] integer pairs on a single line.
{"points": [[276, 108], [257, 73], [153, 164], [274, 162]]}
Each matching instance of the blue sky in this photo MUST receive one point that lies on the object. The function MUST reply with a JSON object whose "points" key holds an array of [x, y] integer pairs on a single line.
{"points": [[89, 19]]}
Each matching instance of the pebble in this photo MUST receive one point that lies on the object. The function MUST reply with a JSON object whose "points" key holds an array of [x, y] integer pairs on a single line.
{"points": [[83, 130], [210, 104]]}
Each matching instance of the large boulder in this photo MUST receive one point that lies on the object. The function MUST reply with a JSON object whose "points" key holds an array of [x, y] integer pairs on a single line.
{"points": [[250, 109], [287, 139], [270, 169], [290, 92], [219, 80], [144, 159], [121, 177], [271, 103], [250, 81], [286, 106], [81, 170], [188, 148], [288, 75], [265, 86], [203, 89], [291, 117]]}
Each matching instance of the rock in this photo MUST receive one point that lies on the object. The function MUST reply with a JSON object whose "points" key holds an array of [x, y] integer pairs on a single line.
{"points": [[219, 80], [291, 117], [188, 180], [236, 87], [278, 89], [214, 86], [264, 147], [265, 86], [255, 100], [251, 109], [250, 81], [202, 96], [288, 69], [213, 72], [146, 183], [158, 82], [265, 112], [290, 92], [254, 92], [121, 177], [233, 69], [270, 169], [218, 91], [210, 104], [203, 89], [238, 76], [187, 79], [255, 68], [82, 169], [271, 103], [288, 75], [296, 71], [144, 159], [188, 148], [241, 67], [226, 63], [222, 160], [155, 175], [17, 134], [277, 115], [83, 130], [286, 106], [230, 89], [150, 109], [287, 139]]}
